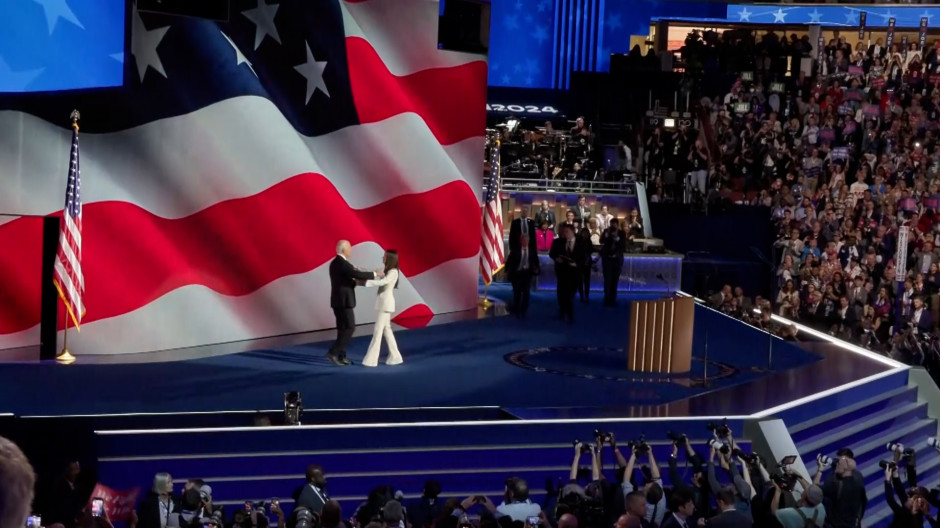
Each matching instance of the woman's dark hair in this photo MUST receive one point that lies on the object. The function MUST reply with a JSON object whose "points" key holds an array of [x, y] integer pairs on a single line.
{"points": [[391, 262], [372, 508]]}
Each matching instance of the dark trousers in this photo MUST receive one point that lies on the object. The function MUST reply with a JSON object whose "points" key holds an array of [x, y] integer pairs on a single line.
{"points": [[584, 285], [521, 287], [612, 268], [567, 286], [345, 323]]}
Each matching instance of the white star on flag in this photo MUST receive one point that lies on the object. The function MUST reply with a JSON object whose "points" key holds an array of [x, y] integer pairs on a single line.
{"points": [[815, 17], [313, 71], [144, 44], [850, 17], [56, 9], [779, 16], [263, 18], [744, 15], [239, 56], [17, 79]]}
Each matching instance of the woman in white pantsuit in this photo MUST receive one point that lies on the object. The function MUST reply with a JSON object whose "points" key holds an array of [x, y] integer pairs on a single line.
{"points": [[384, 307]]}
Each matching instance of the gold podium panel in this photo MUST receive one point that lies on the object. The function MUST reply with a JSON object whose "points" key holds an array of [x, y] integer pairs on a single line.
{"points": [[661, 335]]}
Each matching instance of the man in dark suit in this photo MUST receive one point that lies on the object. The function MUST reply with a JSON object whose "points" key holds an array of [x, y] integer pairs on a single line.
{"points": [[681, 508], [521, 265], [313, 495], [545, 215], [729, 517], [343, 277], [582, 212], [564, 252], [519, 226], [920, 315]]}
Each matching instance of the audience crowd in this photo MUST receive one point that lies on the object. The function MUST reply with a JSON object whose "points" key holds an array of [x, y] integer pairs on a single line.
{"points": [[715, 485], [846, 159]]}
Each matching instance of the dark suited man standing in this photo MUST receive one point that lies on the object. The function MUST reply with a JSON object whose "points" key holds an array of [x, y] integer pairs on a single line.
{"points": [[613, 245], [313, 494], [565, 253], [582, 212], [520, 226], [343, 277], [521, 265]]}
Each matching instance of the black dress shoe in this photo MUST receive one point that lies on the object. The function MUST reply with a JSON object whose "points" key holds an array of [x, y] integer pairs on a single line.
{"points": [[345, 361], [334, 360]]}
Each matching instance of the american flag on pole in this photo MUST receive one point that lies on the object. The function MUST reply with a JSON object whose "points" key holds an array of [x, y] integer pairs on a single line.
{"points": [[491, 254], [68, 263]]}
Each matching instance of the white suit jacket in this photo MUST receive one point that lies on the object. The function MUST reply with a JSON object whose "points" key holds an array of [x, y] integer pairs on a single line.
{"points": [[385, 302]]}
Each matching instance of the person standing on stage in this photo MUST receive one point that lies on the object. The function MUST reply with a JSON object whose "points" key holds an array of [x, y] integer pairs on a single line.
{"points": [[613, 246], [522, 226], [521, 265], [343, 277], [565, 254], [384, 307]]}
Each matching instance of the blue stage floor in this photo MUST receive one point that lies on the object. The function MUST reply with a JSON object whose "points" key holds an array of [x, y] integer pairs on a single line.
{"points": [[496, 361]]}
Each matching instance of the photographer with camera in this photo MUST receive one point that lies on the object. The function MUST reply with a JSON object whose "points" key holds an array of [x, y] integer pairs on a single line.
{"points": [[698, 486], [722, 448], [810, 513], [915, 508], [652, 488], [843, 491]]}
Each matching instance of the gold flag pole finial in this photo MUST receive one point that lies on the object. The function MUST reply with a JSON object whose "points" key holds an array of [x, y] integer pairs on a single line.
{"points": [[75, 116]]}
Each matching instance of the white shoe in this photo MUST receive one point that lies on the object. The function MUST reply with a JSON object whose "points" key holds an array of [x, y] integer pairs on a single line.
{"points": [[394, 362], [370, 364]]}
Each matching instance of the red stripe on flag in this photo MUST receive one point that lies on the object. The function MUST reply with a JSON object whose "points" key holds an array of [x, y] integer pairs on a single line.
{"points": [[133, 257], [452, 101]]}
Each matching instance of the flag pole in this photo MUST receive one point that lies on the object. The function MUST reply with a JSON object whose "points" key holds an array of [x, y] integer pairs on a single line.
{"points": [[485, 301], [66, 357]]}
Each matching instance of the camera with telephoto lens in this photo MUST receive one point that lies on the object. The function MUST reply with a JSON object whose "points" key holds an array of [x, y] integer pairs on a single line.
{"points": [[215, 518], [721, 430], [886, 464], [602, 436], [750, 459], [639, 445], [679, 439], [823, 461], [784, 480], [933, 442], [719, 446]]}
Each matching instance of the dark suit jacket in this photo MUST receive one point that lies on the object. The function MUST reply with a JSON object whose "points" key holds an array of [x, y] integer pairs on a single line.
{"points": [[669, 521], [310, 499], [925, 322], [564, 271], [730, 519], [343, 276], [515, 230], [545, 216], [148, 513], [515, 256]]}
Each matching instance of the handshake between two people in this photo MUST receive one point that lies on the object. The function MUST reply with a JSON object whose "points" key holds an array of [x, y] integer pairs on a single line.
{"points": [[379, 273]]}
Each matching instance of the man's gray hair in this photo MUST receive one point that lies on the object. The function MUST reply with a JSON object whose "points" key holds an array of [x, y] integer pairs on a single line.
{"points": [[341, 246], [18, 478]]}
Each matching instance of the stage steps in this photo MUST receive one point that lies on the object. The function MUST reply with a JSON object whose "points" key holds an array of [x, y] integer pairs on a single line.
{"points": [[471, 458], [866, 426]]}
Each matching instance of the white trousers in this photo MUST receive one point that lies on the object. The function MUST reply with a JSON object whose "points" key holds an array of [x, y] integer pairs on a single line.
{"points": [[383, 326]]}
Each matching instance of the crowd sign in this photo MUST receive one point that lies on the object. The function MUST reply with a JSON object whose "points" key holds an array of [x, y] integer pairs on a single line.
{"points": [[900, 260], [119, 505], [862, 19], [889, 41], [922, 35]]}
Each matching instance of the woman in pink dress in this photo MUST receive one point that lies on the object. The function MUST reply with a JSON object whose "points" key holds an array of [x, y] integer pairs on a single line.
{"points": [[544, 237]]}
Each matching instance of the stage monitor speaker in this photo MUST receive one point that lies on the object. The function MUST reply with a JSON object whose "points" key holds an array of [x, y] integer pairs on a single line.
{"points": [[211, 9], [661, 335], [464, 25]]}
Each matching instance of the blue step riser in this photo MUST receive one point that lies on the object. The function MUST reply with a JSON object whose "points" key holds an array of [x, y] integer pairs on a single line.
{"points": [[828, 426], [876, 429], [129, 474], [375, 462], [843, 399], [916, 439], [276, 440]]}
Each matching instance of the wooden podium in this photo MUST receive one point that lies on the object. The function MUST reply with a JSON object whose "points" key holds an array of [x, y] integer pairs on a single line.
{"points": [[661, 335]]}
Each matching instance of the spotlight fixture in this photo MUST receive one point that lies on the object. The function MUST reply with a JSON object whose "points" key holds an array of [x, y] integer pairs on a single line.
{"points": [[293, 408]]}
